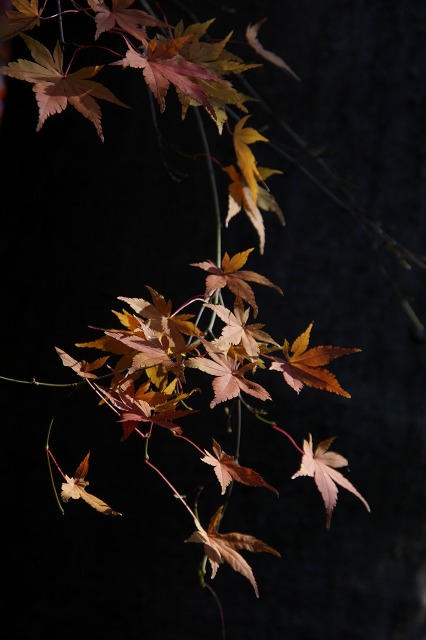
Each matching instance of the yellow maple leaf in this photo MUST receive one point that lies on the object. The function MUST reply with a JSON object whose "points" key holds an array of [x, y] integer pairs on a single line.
{"points": [[243, 136]]}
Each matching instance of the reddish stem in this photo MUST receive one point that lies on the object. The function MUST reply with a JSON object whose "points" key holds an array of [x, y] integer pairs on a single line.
{"points": [[49, 453], [277, 428], [177, 494]]}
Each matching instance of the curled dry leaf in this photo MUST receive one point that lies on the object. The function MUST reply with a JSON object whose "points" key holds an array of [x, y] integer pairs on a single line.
{"points": [[251, 35], [75, 488]]}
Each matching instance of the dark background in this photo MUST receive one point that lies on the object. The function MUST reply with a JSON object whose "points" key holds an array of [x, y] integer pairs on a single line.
{"points": [[84, 222]]}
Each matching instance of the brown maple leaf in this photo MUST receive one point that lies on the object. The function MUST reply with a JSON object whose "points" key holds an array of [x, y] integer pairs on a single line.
{"points": [[229, 378], [223, 547], [227, 469], [82, 368], [241, 197], [238, 331], [132, 21], [75, 488], [162, 65], [231, 276], [321, 466], [54, 89], [306, 366], [252, 39]]}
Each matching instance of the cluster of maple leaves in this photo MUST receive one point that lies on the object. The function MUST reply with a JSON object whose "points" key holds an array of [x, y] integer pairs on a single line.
{"points": [[148, 365], [145, 375], [198, 67]]}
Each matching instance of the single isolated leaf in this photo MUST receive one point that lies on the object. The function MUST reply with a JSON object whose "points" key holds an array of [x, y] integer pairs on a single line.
{"points": [[132, 21], [231, 276], [224, 547], [306, 366], [75, 488], [251, 35], [321, 466], [227, 469], [54, 89]]}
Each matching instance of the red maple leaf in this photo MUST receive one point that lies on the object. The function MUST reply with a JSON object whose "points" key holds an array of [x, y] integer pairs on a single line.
{"points": [[162, 65], [321, 466], [54, 89], [231, 276], [134, 409], [227, 469], [132, 21]]}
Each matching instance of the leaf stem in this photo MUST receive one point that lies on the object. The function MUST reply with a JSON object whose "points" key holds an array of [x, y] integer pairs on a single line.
{"points": [[176, 493], [213, 185]]}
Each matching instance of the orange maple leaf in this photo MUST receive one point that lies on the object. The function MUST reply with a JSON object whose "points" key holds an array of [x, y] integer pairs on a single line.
{"points": [[54, 89], [227, 469], [231, 276], [241, 197], [75, 488], [131, 21], [223, 547], [251, 35], [26, 16], [321, 466], [306, 366], [229, 378]]}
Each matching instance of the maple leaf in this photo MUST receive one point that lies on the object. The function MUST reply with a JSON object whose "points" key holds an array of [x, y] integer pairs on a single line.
{"points": [[82, 368], [162, 322], [241, 197], [54, 89], [243, 136], [75, 488], [223, 547], [25, 18], [306, 366], [215, 57], [228, 376], [251, 35], [231, 276], [227, 469], [162, 65], [321, 466], [238, 331], [135, 407], [130, 20]]}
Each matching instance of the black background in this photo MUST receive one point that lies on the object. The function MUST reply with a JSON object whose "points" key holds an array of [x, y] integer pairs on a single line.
{"points": [[84, 222]]}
